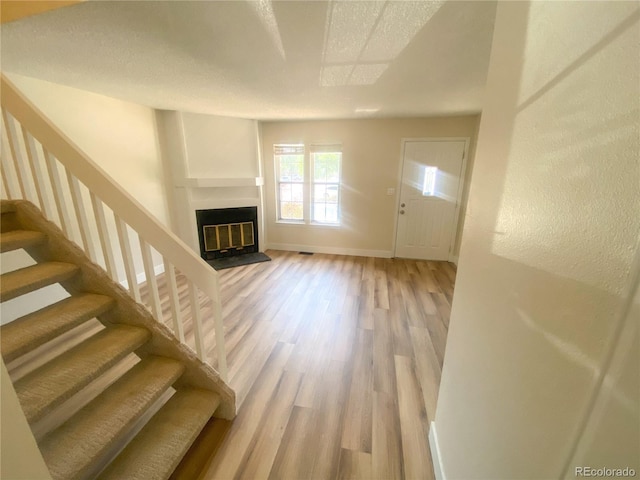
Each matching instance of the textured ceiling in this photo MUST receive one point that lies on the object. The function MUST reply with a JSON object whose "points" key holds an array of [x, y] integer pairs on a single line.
{"points": [[264, 59]]}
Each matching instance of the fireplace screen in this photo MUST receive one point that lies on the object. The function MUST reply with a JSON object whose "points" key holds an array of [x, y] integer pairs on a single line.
{"points": [[231, 236]]}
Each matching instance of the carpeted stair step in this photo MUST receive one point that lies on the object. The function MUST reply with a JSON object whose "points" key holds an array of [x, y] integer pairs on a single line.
{"points": [[31, 331], [28, 279], [17, 239], [72, 450], [157, 450], [7, 207], [53, 383]]}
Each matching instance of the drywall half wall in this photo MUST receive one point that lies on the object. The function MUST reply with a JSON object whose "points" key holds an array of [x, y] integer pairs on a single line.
{"points": [[119, 136], [371, 156], [546, 271], [20, 457]]}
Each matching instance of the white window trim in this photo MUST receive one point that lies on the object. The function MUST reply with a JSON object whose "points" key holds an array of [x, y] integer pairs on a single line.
{"points": [[332, 148], [276, 165], [308, 185]]}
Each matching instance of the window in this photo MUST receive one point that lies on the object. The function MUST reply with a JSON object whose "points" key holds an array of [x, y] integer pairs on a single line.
{"points": [[314, 195], [326, 183], [429, 184], [290, 175]]}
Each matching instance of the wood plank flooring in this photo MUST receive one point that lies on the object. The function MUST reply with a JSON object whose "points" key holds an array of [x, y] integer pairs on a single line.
{"points": [[336, 361]]}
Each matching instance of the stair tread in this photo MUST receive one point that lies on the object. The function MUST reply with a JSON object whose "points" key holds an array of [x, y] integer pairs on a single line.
{"points": [[157, 450], [15, 239], [56, 381], [71, 450], [28, 279], [37, 328]]}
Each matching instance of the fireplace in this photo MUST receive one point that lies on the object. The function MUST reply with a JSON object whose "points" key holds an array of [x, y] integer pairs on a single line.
{"points": [[227, 232]]}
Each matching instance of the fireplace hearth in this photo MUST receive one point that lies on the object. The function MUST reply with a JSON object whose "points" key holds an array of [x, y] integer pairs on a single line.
{"points": [[227, 232]]}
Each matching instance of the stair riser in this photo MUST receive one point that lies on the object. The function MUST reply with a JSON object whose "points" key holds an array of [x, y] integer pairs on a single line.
{"points": [[94, 279], [7, 207], [19, 239], [34, 390], [67, 393], [49, 323], [187, 412], [118, 412], [9, 221]]}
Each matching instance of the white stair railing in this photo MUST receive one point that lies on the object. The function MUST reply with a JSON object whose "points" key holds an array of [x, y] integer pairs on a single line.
{"points": [[41, 164]]}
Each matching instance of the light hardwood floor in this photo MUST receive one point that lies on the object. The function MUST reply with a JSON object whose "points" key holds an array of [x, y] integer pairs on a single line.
{"points": [[336, 361]]}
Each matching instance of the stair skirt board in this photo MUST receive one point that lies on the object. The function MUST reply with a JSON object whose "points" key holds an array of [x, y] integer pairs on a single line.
{"points": [[107, 390]]}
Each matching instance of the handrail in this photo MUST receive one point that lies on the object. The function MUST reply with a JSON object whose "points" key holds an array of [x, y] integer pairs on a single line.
{"points": [[100, 183], [127, 208]]}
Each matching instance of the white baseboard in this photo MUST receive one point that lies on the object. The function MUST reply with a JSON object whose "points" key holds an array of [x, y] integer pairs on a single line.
{"points": [[454, 259], [141, 277], [438, 468], [356, 252]]}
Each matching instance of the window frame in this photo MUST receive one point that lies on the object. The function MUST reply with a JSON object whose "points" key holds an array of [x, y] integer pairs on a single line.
{"points": [[279, 182], [308, 184], [319, 149]]}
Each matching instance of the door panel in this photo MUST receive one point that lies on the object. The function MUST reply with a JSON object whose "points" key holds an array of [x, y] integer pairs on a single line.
{"points": [[428, 198]]}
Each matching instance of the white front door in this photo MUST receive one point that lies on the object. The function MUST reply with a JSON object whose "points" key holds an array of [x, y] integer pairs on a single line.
{"points": [[431, 174]]}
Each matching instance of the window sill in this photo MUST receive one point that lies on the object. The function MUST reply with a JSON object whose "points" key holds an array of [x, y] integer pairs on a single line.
{"points": [[290, 222], [309, 224], [330, 225]]}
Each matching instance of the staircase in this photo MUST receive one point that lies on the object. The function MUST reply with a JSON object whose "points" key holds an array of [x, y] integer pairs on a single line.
{"points": [[121, 397]]}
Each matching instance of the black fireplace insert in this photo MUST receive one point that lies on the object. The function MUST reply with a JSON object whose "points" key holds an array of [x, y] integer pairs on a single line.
{"points": [[227, 232]]}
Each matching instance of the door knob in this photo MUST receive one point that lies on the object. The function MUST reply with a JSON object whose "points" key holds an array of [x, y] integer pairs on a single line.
{"points": [[402, 205], [401, 212]]}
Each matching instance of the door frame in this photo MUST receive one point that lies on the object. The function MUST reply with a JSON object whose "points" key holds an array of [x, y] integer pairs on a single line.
{"points": [[463, 174]]}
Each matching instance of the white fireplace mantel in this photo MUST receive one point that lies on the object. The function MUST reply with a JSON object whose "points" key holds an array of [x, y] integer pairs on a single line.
{"points": [[210, 182]]}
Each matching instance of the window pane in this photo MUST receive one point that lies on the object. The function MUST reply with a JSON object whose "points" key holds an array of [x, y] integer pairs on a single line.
{"points": [[326, 183], [297, 169], [326, 166], [285, 169], [285, 191], [289, 161], [429, 183], [291, 210], [319, 169], [319, 212], [297, 192], [319, 193], [333, 167], [325, 212], [291, 168], [332, 193], [331, 214]]}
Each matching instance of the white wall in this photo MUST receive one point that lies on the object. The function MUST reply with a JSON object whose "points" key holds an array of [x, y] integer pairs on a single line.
{"points": [[611, 435], [21, 459], [119, 136], [220, 146], [198, 146], [546, 271], [370, 165]]}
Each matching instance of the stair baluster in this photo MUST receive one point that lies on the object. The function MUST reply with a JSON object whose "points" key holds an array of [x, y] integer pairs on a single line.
{"points": [[47, 150]]}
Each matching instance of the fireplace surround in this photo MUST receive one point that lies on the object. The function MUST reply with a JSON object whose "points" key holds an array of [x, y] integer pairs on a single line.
{"points": [[227, 232]]}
